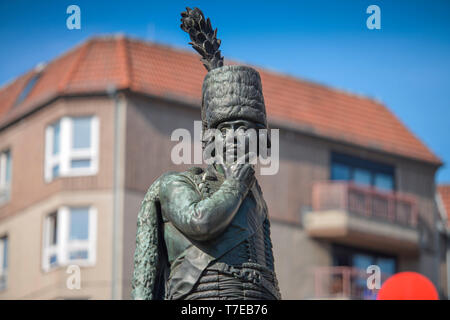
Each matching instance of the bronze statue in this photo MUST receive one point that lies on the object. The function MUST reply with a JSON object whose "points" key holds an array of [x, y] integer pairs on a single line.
{"points": [[205, 233]]}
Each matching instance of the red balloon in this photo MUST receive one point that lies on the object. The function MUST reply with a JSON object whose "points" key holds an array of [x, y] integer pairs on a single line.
{"points": [[408, 286]]}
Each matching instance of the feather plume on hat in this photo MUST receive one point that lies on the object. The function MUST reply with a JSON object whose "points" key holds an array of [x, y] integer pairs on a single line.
{"points": [[203, 38], [229, 92]]}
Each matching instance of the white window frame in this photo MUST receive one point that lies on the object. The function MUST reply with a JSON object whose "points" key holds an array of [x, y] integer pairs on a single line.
{"points": [[3, 272], [64, 246], [67, 153], [5, 186]]}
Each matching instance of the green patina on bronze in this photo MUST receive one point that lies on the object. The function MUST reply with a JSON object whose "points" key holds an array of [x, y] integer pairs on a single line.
{"points": [[205, 233]]}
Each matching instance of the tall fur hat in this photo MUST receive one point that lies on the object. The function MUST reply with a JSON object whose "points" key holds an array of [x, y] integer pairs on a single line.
{"points": [[232, 93]]}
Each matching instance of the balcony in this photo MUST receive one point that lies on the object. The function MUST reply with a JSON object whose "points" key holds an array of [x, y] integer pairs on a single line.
{"points": [[343, 283], [357, 215]]}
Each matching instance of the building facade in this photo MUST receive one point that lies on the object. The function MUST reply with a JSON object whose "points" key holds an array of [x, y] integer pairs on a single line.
{"points": [[82, 139]]}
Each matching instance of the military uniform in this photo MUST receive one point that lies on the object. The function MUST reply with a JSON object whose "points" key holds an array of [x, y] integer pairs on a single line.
{"points": [[237, 262]]}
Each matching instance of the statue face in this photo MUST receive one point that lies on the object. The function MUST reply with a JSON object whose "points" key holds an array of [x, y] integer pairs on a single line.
{"points": [[240, 139]]}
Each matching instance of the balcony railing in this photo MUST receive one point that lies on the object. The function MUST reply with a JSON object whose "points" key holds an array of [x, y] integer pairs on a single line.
{"points": [[365, 201], [343, 283]]}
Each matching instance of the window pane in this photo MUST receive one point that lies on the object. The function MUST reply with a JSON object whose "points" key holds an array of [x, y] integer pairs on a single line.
{"points": [[81, 133], [78, 255], [53, 229], [362, 176], [79, 224], [53, 260], [361, 262], [8, 167], [5, 252], [55, 171], [56, 137], [387, 266], [340, 172], [80, 163], [384, 181]]}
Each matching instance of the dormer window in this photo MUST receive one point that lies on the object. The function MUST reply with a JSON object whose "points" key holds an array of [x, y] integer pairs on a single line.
{"points": [[30, 84]]}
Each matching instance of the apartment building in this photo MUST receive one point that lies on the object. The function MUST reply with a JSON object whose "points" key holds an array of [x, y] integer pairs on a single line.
{"points": [[84, 136]]}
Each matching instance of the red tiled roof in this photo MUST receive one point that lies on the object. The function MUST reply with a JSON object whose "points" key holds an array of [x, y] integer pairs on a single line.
{"points": [[167, 72], [444, 192]]}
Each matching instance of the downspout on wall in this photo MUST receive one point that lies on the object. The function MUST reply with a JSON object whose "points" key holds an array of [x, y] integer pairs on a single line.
{"points": [[118, 190]]}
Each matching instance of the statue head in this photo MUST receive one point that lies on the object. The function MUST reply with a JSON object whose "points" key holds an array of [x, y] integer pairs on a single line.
{"points": [[232, 101]]}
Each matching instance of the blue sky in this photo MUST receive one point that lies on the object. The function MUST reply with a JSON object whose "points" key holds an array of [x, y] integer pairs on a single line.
{"points": [[406, 64]]}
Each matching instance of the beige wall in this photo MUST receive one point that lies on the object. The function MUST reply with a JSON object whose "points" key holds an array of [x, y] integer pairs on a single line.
{"points": [[150, 124], [27, 280], [296, 257], [132, 205], [32, 198]]}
